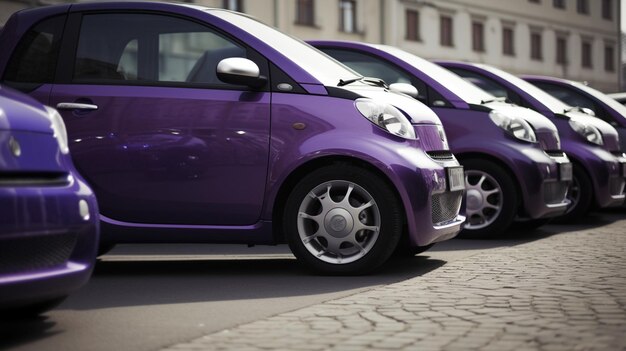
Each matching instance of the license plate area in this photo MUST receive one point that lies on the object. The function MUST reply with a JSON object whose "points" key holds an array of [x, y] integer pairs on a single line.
{"points": [[565, 172], [456, 178]]}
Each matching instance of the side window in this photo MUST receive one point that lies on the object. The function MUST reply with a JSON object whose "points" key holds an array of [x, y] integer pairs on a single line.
{"points": [[147, 49], [35, 57], [574, 98], [488, 85], [370, 66], [568, 96]]}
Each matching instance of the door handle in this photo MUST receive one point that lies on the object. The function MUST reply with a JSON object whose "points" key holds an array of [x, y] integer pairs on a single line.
{"points": [[76, 106]]}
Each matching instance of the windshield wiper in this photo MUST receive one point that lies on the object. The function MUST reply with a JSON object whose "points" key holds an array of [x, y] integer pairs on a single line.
{"points": [[496, 99], [376, 81], [348, 81]]}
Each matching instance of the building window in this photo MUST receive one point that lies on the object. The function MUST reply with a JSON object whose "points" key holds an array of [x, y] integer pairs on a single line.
{"points": [[609, 58], [234, 5], [445, 31], [559, 4], [586, 54], [607, 9], [478, 36], [535, 46], [304, 12], [412, 25], [561, 50], [582, 6], [508, 43], [347, 16]]}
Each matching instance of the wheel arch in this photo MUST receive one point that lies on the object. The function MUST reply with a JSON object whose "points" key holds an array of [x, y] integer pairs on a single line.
{"points": [[490, 158], [297, 174]]}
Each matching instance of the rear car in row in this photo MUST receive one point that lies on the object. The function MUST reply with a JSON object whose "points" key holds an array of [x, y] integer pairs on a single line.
{"points": [[591, 143], [515, 169]]}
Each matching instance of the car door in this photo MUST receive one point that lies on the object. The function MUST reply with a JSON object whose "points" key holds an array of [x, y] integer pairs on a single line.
{"points": [[158, 136]]}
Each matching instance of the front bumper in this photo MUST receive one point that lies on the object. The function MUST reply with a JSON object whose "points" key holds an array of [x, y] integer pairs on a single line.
{"points": [[47, 246], [434, 209], [606, 171]]}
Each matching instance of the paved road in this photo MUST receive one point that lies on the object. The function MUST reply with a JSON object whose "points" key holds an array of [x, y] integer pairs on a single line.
{"points": [[566, 291], [146, 297]]}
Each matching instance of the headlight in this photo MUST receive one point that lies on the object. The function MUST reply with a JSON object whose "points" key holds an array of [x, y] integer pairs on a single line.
{"points": [[589, 132], [58, 128], [515, 126], [386, 116]]}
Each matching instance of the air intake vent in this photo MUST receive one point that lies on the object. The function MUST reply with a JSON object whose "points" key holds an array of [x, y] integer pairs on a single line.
{"points": [[35, 252], [446, 206], [555, 153], [443, 155]]}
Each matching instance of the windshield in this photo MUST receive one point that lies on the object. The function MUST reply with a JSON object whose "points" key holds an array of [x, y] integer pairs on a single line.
{"points": [[457, 85], [553, 104], [321, 66], [621, 109]]}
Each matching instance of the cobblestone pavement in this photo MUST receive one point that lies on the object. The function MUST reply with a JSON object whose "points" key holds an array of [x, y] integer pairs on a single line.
{"points": [[565, 291]]}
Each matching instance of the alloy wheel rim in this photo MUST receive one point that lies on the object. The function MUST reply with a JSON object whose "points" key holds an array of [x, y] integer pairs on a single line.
{"points": [[338, 222], [484, 199]]}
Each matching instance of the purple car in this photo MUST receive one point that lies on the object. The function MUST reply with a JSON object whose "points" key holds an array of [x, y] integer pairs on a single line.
{"points": [[48, 215], [203, 125], [515, 169], [587, 98], [592, 144]]}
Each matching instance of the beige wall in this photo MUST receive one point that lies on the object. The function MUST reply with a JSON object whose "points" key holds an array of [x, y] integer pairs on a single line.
{"points": [[383, 21]]}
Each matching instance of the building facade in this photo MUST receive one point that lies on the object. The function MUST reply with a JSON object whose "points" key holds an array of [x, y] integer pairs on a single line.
{"points": [[574, 39]]}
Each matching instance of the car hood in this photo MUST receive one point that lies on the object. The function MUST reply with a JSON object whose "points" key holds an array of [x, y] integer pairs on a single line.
{"points": [[417, 112], [609, 133], [19, 112]]}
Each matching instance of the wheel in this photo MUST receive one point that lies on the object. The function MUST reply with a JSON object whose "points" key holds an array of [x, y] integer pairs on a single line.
{"points": [[342, 219], [580, 195], [491, 199]]}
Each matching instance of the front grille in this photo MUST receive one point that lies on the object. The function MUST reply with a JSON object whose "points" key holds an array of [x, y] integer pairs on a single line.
{"points": [[446, 206], [616, 186], [554, 192], [34, 179], [555, 153], [34, 253], [441, 155]]}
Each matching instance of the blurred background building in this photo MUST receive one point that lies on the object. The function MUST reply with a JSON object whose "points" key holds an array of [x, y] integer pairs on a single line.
{"points": [[574, 39]]}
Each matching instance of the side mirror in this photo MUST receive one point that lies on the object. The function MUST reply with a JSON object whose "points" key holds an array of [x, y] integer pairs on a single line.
{"points": [[240, 71], [404, 88]]}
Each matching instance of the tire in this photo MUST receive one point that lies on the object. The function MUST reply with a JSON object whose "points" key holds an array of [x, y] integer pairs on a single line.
{"points": [[492, 200], [580, 193], [331, 233]]}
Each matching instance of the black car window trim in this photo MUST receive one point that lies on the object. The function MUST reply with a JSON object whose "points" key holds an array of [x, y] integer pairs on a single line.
{"points": [[69, 49]]}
